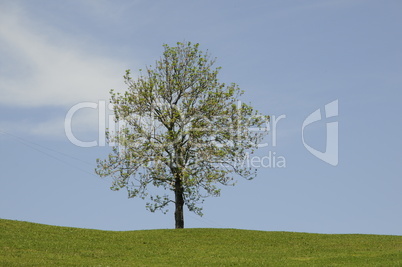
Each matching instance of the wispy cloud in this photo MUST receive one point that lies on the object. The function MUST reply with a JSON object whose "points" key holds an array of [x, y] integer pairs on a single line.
{"points": [[42, 66], [45, 67]]}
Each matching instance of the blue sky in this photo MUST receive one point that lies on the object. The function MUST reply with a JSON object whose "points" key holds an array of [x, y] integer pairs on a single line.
{"points": [[291, 58]]}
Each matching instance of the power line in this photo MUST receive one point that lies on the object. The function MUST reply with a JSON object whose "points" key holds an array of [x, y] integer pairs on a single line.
{"points": [[205, 221], [42, 149]]}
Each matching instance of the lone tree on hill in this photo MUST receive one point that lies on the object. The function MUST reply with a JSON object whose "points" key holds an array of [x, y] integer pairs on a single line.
{"points": [[183, 131]]}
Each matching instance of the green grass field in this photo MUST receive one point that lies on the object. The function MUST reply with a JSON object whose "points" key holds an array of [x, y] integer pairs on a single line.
{"points": [[29, 244]]}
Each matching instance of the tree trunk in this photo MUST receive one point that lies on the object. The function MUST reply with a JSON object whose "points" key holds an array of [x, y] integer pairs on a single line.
{"points": [[179, 216]]}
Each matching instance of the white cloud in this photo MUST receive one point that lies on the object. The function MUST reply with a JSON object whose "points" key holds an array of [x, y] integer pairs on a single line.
{"points": [[45, 67], [42, 66]]}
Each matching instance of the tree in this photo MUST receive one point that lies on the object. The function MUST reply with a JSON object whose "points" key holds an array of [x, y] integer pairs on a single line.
{"points": [[183, 132]]}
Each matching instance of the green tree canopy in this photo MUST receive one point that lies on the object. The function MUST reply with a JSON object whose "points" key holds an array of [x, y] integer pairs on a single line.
{"points": [[184, 132]]}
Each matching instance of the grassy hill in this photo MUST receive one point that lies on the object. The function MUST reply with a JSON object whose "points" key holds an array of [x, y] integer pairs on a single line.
{"points": [[29, 244]]}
